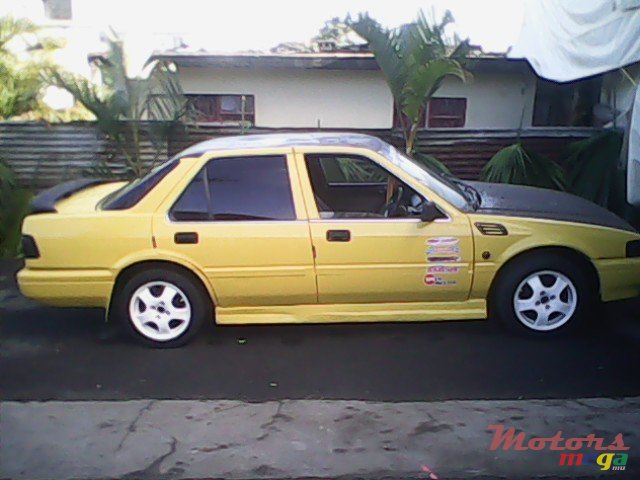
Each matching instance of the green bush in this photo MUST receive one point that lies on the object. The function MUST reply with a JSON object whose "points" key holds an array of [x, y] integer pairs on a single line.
{"points": [[10, 230], [14, 206]]}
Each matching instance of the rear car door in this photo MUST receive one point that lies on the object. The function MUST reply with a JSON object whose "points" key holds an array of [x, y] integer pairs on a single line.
{"points": [[363, 256], [242, 221]]}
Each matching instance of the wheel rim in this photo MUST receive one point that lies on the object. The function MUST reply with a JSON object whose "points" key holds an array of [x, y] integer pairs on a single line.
{"points": [[545, 300], [160, 311]]}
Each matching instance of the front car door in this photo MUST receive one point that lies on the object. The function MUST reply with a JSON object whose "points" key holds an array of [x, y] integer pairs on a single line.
{"points": [[367, 254], [240, 219]]}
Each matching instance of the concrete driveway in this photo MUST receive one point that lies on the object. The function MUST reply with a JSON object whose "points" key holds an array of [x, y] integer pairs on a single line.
{"points": [[62, 354]]}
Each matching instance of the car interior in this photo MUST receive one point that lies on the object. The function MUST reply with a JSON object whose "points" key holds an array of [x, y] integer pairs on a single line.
{"points": [[355, 187]]}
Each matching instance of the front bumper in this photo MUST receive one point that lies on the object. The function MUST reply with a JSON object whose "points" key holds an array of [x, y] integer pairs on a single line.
{"points": [[619, 278], [67, 288]]}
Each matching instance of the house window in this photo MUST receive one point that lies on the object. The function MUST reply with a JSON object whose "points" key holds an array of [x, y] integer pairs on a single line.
{"points": [[447, 112], [566, 104], [441, 113], [223, 108]]}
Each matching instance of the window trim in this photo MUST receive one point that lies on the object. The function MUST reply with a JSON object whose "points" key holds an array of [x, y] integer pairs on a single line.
{"points": [[210, 220]]}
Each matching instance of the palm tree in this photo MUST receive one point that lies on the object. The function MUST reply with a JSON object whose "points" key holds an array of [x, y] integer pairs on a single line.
{"points": [[22, 86], [126, 107], [415, 59]]}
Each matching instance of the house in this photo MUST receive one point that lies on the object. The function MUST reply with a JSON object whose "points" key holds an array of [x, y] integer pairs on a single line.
{"points": [[347, 90]]}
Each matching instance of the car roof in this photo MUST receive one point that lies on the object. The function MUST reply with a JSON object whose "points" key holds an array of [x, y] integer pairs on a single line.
{"points": [[281, 140]]}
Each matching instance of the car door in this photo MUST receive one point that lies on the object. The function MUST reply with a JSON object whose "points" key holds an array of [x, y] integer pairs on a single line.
{"points": [[241, 220], [364, 257]]}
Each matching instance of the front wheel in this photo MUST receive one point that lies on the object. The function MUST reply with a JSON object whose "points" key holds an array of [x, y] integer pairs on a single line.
{"points": [[543, 295], [161, 307]]}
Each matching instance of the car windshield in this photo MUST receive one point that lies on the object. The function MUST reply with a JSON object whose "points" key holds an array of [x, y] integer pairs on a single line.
{"points": [[458, 193]]}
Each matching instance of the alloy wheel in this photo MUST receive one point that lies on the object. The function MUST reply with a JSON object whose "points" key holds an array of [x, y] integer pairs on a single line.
{"points": [[545, 300], [160, 311]]}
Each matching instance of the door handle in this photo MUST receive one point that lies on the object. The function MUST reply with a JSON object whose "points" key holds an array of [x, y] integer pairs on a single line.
{"points": [[186, 237], [338, 235]]}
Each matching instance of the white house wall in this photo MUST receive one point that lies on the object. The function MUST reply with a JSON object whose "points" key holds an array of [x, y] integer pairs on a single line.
{"points": [[357, 99], [495, 101]]}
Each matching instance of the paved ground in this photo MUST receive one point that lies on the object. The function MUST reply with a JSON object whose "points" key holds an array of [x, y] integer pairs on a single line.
{"points": [[302, 438], [57, 354], [60, 354]]}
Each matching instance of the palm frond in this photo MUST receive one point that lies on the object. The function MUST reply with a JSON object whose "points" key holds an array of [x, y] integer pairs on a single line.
{"points": [[386, 46], [424, 81], [518, 166], [415, 59], [129, 110], [11, 28]]}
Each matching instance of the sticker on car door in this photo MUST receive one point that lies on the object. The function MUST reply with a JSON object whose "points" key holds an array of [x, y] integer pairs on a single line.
{"points": [[443, 250]]}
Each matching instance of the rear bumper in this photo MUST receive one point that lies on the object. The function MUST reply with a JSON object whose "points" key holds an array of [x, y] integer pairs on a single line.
{"points": [[619, 278], [67, 288]]}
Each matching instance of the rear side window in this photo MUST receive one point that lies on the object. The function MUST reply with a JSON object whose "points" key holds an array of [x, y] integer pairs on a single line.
{"points": [[242, 188], [133, 192]]}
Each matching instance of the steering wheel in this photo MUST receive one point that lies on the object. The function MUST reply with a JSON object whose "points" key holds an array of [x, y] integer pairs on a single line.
{"points": [[390, 208]]}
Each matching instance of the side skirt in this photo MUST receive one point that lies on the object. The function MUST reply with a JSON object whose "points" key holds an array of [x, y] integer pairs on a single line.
{"points": [[353, 313]]}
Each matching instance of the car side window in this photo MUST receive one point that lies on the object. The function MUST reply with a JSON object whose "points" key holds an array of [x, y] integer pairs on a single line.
{"points": [[235, 189], [351, 186]]}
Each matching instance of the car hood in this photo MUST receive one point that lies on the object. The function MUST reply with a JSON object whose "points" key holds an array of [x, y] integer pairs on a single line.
{"points": [[521, 201]]}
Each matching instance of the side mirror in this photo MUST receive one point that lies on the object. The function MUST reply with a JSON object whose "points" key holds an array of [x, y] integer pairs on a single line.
{"points": [[430, 212]]}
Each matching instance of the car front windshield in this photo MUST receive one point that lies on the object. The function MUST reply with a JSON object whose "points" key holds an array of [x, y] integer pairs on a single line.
{"points": [[437, 182]]}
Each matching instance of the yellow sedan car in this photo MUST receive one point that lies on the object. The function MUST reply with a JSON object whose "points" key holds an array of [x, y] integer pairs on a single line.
{"points": [[314, 228]]}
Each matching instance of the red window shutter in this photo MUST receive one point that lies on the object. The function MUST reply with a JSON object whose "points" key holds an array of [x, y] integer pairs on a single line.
{"points": [[223, 108], [447, 112]]}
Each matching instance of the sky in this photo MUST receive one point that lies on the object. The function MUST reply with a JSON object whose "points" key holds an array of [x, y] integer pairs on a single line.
{"points": [[239, 25], [262, 24]]}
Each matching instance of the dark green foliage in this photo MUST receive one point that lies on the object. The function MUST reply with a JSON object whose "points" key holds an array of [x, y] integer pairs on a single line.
{"points": [[14, 206], [592, 169], [10, 229], [518, 166], [7, 183]]}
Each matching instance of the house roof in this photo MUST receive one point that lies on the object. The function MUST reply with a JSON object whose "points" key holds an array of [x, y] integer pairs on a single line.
{"points": [[320, 61], [283, 140]]}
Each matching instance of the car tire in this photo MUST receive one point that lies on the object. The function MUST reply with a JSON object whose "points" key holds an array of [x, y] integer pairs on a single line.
{"points": [[543, 295], [161, 307]]}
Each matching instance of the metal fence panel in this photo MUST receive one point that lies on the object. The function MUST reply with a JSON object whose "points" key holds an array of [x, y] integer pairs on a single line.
{"points": [[43, 155]]}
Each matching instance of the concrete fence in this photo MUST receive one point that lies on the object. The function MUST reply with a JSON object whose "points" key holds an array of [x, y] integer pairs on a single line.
{"points": [[42, 155]]}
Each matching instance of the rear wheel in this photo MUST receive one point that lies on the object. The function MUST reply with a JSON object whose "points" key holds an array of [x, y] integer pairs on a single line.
{"points": [[162, 308], [543, 294]]}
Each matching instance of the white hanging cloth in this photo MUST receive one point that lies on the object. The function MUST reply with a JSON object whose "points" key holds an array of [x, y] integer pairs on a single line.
{"points": [[566, 40]]}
